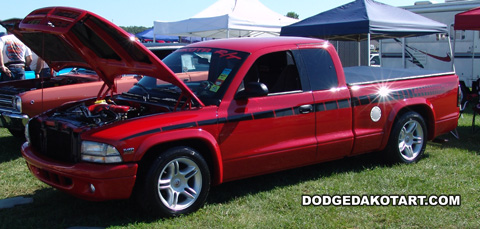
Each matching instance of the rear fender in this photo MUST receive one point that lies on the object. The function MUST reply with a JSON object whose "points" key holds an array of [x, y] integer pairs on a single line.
{"points": [[419, 105]]}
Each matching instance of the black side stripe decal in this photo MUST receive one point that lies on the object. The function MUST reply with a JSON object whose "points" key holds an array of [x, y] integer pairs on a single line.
{"points": [[238, 118], [207, 122], [429, 90], [318, 107], [332, 105], [156, 130], [180, 126], [266, 114], [343, 103], [284, 112]]}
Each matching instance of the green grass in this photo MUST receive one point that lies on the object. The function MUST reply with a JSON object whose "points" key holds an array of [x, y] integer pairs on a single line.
{"points": [[275, 200]]}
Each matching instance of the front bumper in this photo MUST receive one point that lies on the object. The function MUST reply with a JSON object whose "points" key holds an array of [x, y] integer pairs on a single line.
{"points": [[110, 181], [13, 120]]}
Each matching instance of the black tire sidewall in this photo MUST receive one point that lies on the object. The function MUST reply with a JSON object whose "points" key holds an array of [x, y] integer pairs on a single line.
{"points": [[393, 153], [148, 196]]}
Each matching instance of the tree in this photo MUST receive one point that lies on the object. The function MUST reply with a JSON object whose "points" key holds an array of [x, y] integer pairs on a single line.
{"points": [[134, 29], [292, 14]]}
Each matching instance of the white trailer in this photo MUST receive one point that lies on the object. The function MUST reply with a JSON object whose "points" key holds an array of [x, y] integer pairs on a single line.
{"points": [[433, 51]]}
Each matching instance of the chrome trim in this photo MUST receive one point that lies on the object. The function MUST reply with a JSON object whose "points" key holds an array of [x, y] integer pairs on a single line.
{"points": [[7, 118], [13, 111]]}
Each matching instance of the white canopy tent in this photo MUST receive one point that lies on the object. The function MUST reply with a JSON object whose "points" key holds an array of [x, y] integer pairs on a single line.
{"points": [[228, 18]]}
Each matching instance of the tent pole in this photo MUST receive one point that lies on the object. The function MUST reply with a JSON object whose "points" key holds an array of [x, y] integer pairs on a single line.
{"points": [[473, 56], [359, 50], [403, 52], [380, 51], [452, 51], [368, 47]]}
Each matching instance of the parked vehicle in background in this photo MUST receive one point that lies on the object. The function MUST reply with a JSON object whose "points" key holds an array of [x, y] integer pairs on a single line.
{"points": [[375, 60], [23, 99], [432, 52], [161, 50], [244, 107]]}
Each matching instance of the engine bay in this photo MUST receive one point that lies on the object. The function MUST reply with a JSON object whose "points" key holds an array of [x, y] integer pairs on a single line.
{"points": [[105, 111], [96, 114]]}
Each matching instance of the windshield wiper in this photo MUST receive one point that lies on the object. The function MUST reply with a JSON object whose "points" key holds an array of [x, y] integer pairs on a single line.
{"points": [[168, 90], [144, 89]]}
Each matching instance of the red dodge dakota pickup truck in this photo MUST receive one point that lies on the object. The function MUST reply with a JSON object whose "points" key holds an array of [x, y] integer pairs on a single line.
{"points": [[249, 106]]}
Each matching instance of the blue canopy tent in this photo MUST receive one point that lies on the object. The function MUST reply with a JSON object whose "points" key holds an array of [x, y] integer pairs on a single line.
{"points": [[364, 20], [355, 20], [148, 35]]}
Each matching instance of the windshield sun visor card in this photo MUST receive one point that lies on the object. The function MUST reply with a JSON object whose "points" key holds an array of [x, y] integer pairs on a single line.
{"points": [[223, 76]]}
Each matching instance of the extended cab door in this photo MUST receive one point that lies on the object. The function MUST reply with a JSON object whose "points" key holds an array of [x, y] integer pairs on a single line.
{"points": [[333, 113], [272, 132]]}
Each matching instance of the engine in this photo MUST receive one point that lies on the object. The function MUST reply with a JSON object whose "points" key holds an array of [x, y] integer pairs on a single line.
{"points": [[97, 114]]}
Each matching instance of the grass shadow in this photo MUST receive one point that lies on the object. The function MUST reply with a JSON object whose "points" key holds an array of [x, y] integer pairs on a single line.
{"points": [[54, 209], [468, 140], [232, 190], [10, 148]]}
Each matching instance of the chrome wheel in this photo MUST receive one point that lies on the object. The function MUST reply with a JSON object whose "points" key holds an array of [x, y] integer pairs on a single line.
{"points": [[411, 140], [408, 139], [179, 184]]}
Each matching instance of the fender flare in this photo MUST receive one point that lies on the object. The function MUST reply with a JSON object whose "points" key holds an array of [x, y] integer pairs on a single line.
{"points": [[420, 105], [185, 135]]}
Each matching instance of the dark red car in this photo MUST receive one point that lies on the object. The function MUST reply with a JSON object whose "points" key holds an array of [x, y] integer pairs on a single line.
{"points": [[21, 100]]}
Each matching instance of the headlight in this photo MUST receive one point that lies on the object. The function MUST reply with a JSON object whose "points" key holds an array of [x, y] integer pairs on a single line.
{"points": [[99, 153], [17, 103]]}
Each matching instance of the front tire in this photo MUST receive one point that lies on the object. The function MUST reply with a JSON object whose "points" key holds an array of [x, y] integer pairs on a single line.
{"points": [[408, 139], [177, 183]]}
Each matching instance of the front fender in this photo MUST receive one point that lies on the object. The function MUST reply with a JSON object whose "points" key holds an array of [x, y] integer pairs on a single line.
{"points": [[184, 135], [420, 105]]}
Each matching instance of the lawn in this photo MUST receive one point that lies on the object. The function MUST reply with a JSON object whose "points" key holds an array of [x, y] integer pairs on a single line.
{"points": [[274, 200]]}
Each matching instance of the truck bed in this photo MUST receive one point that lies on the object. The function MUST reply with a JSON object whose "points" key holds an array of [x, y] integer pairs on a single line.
{"points": [[366, 75]]}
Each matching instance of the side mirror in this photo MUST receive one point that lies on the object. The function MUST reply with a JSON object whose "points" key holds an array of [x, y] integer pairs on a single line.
{"points": [[252, 89]]}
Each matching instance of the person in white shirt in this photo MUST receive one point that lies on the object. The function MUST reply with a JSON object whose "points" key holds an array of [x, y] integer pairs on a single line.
{"points": [[14, 57]]}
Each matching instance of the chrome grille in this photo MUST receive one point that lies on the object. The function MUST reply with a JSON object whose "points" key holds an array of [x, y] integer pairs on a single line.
{"points": [[6, 101], [7, 95]]}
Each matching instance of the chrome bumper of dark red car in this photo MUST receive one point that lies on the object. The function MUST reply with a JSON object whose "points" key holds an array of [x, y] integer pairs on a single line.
{"points": [[13, 120]]}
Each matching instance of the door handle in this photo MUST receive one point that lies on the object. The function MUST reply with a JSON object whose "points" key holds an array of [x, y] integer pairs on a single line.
{"points": [[305, 109]]}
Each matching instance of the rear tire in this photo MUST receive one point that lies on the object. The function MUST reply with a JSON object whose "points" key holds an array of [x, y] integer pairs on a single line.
{"points": [[177, 183], [408, 139]]}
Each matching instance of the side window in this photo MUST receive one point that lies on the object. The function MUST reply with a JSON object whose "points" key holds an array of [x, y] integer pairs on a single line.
{"points": [[320, 69], [277, 71]]}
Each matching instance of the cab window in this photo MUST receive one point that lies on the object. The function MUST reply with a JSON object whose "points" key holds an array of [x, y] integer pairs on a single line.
{"points": [[320, 69], [278, 71]]}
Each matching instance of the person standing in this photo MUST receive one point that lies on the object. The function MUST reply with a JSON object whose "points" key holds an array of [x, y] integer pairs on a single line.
{"points": [[40, 67], [14, 57]]}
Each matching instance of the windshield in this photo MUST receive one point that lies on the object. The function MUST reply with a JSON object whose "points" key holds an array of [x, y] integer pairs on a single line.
{"points": [[206, 71]]}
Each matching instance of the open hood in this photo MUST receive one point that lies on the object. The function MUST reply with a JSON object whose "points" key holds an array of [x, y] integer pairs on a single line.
{"points": [[69, 37], [9, 24]]}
